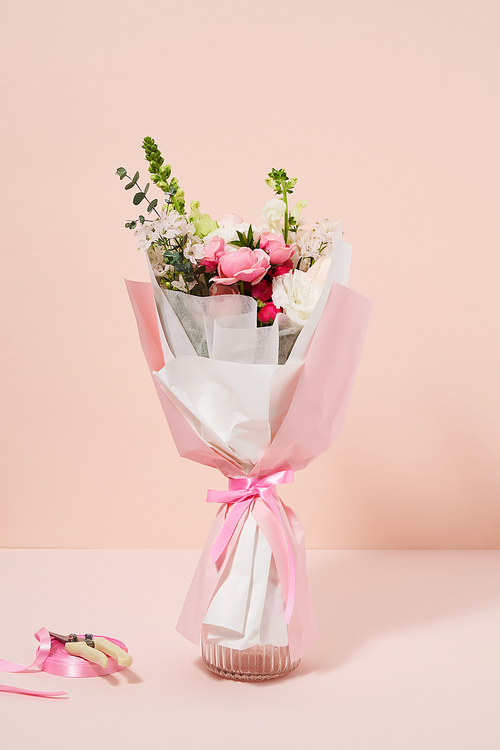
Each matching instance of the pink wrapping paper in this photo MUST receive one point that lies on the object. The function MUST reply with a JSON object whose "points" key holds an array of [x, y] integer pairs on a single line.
{"points": [[314, 421]]}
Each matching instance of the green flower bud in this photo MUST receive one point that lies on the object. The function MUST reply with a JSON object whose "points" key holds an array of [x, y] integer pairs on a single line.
{"points": [[203, 223]]}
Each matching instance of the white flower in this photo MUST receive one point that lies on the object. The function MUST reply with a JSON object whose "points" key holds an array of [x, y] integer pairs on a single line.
{"points": [[228, 234], [171, 224], [273, 213], [318, 239], [155, 255], [162, 270], [147, 233], [328, 232], [194, 250], [307, 243], [180, 284], [168, 224], [296, 294]]}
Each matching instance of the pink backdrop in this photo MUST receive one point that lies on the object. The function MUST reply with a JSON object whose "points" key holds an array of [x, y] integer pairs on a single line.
{"points": [[388, 113]]}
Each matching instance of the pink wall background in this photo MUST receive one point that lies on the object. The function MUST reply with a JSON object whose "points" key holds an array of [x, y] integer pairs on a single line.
{"points": [[387, 112]]}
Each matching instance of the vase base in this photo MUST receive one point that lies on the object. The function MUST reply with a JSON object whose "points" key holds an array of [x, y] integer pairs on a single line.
{"points": [[251, 665]]}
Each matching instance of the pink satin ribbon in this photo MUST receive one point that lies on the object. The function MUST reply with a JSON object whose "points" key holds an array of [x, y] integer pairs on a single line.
{"points": [[52, 657], [241, 494]]}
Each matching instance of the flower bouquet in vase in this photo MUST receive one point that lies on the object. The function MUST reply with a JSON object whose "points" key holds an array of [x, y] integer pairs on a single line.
{"points": [[253, 339]]}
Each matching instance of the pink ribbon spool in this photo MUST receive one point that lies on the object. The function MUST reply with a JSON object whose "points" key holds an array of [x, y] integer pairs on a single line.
{"points": [[52, 657]]}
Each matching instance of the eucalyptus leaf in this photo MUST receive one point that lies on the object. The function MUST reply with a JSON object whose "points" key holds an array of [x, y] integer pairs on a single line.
{"points": [[138, 197]]}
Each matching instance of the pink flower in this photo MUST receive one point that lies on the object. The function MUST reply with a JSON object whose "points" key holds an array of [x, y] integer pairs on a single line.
{"points": [[218, 289], [263, 290], [268, 313], [275, 246], [245, 265], [230, 220], [280, 270], [214, 250]]}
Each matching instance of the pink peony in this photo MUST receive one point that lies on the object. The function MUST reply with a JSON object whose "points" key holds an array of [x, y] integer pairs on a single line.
{"points": [[268, 313], [214, 250], [245, 265], [275, 246], [263, 290]]}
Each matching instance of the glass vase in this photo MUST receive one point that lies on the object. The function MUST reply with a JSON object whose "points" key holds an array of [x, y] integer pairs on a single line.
{"points": [[251, 664]]}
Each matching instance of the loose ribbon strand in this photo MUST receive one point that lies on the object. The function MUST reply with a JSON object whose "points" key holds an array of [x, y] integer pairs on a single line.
{"points": [[241, 494], [42, 654]]}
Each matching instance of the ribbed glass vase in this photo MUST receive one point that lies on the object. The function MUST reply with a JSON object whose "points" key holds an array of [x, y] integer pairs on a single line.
{"points": [[255, 663]]}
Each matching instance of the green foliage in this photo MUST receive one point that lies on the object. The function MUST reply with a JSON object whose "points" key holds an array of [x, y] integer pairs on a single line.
{"points": [[283, 185], [279, 181], [133, 181], [161, 174], [246, 240]]}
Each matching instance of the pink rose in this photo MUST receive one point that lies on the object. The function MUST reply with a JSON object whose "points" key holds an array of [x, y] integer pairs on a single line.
{"points": [[268, 313], [263, 290], [245, 265], [275, 246], [230, 220], [214, 250]]}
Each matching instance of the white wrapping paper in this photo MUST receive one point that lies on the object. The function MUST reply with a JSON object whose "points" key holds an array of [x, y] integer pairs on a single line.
{"points": [[236, 399]]}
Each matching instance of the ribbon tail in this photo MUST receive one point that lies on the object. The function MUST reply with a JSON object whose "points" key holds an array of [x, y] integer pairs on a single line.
{"points": [[227, 530], [268, 496]]}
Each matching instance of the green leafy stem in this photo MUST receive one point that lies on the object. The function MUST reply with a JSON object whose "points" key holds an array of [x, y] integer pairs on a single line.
{"points": [[139, 196], [283, 186]]}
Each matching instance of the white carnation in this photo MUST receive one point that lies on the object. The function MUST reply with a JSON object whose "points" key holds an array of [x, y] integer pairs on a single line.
{"points": [[297, 295]]}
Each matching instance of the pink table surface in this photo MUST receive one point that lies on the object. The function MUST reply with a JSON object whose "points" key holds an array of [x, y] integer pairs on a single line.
{"points": [[408, 656]]}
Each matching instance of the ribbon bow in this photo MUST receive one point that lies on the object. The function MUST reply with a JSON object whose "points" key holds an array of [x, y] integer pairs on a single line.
{"points": [[241, 494]]}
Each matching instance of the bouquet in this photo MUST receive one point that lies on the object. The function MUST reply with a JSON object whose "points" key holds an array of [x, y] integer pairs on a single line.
{"points": [[253, 339]]}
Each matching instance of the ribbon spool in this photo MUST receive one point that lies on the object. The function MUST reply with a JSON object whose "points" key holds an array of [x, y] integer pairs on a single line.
{"points": [[60, 663], [52, 657]]}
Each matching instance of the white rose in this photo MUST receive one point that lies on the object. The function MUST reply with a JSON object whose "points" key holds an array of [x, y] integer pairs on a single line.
{"points": [[297, 295], [273, 213]]}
